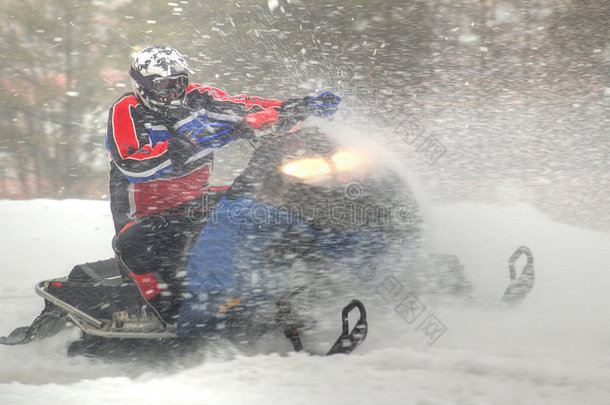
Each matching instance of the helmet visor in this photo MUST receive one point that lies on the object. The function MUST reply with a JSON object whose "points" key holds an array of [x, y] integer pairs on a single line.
{"points": [[170, 85]]}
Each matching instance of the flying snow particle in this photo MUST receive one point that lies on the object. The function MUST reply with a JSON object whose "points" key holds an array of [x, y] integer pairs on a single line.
{"points": [[468, 38], [273, 4]]}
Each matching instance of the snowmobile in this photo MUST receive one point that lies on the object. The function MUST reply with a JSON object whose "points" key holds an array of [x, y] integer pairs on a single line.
{"points": [[302, 208], [305, 218]]}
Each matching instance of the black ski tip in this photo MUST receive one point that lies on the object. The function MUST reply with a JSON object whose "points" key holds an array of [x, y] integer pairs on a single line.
{"points": [[348, 341]]}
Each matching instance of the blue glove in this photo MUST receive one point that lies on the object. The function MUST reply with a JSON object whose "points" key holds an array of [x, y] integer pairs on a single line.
{"points": [[324, 104]]}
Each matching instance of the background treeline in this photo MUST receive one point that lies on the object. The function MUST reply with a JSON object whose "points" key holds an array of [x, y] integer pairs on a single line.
{"points": [[64, 62]]}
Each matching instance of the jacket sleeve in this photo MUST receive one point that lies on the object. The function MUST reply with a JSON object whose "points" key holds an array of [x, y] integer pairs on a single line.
{"points": [[239, 105], [131, 147]]}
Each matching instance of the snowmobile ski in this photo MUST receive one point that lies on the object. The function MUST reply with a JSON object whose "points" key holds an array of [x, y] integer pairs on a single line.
{"points": [[289, 321], [520, 287], [348, 341]]}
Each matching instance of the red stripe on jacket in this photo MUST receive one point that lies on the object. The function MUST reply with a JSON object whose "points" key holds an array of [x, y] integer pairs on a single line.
{"points": [[163, 194], [126, 139]]}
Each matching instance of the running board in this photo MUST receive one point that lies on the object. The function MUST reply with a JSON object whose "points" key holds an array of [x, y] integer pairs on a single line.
{"points": [[113, 334]]}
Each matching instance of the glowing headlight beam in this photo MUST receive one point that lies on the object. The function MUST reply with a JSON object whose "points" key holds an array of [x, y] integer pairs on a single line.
{"points": [[315, 167], [346, 160], [306, 168]]}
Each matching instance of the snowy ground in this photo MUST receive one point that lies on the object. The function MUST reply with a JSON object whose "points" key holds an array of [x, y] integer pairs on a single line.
{"points": [[551, 349]]}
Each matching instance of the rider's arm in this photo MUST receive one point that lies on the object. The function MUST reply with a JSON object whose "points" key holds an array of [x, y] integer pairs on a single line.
{"points": [[219, 101], [256, 112]]}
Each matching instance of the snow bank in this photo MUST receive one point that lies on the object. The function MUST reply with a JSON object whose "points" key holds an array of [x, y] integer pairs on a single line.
{"points": [[550, 349]]}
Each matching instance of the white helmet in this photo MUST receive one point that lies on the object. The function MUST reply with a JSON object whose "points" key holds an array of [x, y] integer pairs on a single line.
{"points": [[159, 76]]}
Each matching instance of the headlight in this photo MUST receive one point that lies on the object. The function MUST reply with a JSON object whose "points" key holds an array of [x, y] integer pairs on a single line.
{"points": [[315, 167], [346, 160], [306, 168]]}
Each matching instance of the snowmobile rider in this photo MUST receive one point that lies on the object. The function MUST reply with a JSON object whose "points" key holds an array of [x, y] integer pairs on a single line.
{"points": [[160, 139]]}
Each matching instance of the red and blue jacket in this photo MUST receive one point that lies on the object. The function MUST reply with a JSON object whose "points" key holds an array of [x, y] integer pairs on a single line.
{"points": [[143, 178]]}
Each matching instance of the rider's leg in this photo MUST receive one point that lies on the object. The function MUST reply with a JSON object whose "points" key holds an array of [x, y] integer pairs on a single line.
{"points": [[151, 250]]}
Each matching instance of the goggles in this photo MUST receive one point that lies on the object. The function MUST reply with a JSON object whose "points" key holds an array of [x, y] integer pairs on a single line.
{"points": [[163, 86], [166, 86]]}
